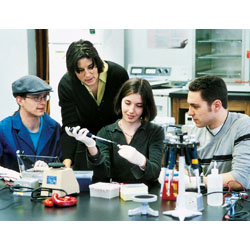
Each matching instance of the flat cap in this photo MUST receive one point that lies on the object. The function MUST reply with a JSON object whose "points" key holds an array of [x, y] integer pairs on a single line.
{"points": [[30, 84]]}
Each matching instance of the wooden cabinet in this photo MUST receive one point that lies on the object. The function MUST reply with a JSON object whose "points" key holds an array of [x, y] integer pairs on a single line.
{"points": [[237, 101]]}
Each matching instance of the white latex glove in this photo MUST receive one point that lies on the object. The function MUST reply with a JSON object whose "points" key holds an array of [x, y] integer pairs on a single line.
{"points": [[9, 174], [132, 155], [81, 135], [40, 166]]}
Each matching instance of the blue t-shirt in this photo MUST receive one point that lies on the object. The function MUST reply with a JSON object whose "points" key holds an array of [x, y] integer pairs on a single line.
{"points": [[35, 136]]}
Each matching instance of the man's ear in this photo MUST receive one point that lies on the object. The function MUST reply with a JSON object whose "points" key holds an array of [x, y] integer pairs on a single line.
{"points": [[19, 100], [217, 105]]}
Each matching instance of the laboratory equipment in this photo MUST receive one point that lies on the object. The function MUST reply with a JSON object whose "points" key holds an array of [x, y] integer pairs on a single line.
{"points": [[32, 166], [188, 119], [172, 146], [84, 179], [193, 201], [214, 187], [127, 191], [225, 53], [66, 201], [24, 186], [144, 209], [59, 178], [97, 137], [104, 190], [100, 138], [173, 192], [230, 205], [185, 146], [163, 80]]}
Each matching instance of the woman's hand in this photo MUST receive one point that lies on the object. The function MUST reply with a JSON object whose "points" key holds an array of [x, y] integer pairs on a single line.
{"points": [[132, 155], [81, 135]]}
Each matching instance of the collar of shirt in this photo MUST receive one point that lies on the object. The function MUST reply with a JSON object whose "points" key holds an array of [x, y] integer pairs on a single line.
{"points": [[117, 127], [101, 84], [215, 130], [103, 75]]}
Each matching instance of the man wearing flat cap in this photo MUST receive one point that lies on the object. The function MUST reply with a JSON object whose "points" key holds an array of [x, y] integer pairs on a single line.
{"points": [[30, 129]]}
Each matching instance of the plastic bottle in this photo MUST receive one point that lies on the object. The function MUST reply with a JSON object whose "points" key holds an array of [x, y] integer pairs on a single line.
{"points": [[214, 184]]}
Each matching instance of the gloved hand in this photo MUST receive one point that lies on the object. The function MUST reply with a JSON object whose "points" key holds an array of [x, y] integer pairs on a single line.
{"points": [[40, 166], [81, 135], [9, 174], [132, 155]]}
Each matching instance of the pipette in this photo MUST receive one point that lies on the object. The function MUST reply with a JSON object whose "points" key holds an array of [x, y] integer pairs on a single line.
{"points": [[100, 138], [195, 166], [172, 160], [164, 169], [97, 137]]}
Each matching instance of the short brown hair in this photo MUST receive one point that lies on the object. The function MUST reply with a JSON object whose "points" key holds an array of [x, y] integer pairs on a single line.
{"points": [[142, 87], [211, 87]]}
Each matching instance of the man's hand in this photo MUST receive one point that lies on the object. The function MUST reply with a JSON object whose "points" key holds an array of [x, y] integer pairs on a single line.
{"points": [[40, 166], [9, 174]]}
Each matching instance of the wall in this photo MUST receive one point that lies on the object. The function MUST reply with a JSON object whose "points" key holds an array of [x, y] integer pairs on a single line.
{"points": [[142, 51], [17, 58]]}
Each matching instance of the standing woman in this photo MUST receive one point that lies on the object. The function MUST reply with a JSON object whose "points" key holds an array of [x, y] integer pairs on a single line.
{"points": [[137, 157], [86, 95]]}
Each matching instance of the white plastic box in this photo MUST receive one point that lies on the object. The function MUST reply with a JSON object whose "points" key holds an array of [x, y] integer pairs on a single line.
{"points": [[127, 191], [104, 190]]}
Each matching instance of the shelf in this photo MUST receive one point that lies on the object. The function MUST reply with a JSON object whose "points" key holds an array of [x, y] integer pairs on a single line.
{"points": [[221, 73], [219, 56], [219, 41]]}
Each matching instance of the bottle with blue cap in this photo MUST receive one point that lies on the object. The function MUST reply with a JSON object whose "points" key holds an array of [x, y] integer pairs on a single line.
{"points": [[215, 187]]}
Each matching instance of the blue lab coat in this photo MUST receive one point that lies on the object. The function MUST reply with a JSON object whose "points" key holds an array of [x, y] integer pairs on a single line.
{"points": [[15, 136]]}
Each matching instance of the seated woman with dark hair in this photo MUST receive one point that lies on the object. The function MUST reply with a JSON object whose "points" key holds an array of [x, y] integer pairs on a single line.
{"points": [[136, 158]]}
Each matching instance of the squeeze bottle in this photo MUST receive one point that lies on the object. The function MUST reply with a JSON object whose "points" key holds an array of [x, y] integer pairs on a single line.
{"points": [[214, 184]]}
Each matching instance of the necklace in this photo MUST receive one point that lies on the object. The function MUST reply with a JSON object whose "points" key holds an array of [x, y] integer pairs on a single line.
{"points": [[131, 136]]}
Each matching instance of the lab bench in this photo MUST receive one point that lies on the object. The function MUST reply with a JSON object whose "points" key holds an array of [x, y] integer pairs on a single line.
{"points": [[237, 101], [21, 208]]}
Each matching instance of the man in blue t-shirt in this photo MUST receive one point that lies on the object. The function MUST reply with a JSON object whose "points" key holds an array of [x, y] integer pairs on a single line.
{"points": [[30, 130]]}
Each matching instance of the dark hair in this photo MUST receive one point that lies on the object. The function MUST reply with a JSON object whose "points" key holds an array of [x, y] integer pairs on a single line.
{"points": [[23, 95], [142, 87], [82, 49], [212, 88]]}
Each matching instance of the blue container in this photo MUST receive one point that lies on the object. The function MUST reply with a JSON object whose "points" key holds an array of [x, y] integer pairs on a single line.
{"points": [[84, 179]]}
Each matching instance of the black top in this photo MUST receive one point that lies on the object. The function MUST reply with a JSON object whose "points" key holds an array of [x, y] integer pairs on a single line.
{"points": [[78, 108], [21, 208], [148, 140]]}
